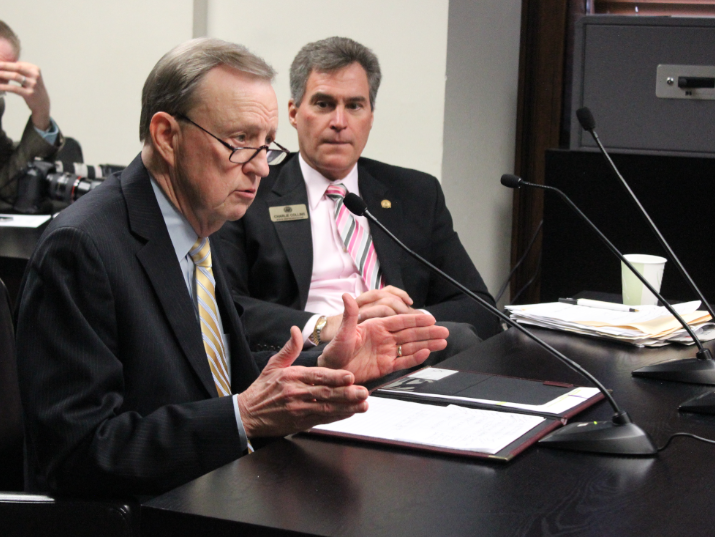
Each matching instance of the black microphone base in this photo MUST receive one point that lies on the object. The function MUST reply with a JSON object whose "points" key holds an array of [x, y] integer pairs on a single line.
{"points": [[702, 404], [691, 370], [601, 437]]}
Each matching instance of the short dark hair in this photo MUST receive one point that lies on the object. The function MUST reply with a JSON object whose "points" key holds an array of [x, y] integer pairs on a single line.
{"points": [[171, 85], [329, 55], [7, 33]]}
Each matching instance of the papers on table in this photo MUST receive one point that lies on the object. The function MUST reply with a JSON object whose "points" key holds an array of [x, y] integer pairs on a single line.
{"points": [[23, 220], [650, 326], [451, 427]]}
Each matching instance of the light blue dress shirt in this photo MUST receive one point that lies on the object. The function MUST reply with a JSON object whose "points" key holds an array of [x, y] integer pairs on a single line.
{"points": [[50, 135]]}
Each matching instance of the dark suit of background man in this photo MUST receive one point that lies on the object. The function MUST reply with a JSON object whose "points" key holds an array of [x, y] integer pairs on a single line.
{"points": [[293, 272], [41, 137], [120, 367]]}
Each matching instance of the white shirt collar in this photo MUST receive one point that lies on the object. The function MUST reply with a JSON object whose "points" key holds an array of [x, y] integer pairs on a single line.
{"points": [[316, 184], [182, 235]]}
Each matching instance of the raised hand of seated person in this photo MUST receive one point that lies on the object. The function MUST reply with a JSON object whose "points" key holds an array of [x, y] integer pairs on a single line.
{"points": [[286, 399], [30, 87]]}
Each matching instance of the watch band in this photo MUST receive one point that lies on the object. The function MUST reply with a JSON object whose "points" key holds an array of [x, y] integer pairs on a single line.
{"points": [[315, 336]]}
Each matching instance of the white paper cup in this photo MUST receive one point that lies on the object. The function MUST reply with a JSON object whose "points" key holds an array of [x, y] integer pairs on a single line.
{"points": [[651, 267]]}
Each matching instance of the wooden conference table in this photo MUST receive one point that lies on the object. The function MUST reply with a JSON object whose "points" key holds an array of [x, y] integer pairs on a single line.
{"points": [[308, 486]]}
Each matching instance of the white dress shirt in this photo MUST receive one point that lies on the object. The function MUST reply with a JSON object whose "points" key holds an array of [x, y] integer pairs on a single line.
{"points": [[334, 271]]}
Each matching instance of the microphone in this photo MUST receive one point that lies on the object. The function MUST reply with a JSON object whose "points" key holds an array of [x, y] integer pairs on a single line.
{"points": [[511, 181], [620, 436], [585, 118], [702, 369]]}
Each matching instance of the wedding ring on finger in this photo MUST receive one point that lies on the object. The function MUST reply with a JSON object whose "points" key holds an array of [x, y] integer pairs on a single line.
{"points": [[22, 82], [399, 351]]}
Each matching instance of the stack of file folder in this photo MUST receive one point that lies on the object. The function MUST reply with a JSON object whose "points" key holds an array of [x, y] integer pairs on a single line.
{"points": [[648, 326]]}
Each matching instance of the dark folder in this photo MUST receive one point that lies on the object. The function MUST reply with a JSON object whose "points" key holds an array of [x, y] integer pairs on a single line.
{"points": [[482, 390]]}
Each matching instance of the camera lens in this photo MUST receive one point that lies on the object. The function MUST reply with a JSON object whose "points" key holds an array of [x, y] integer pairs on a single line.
{"points": [[61, 186]]}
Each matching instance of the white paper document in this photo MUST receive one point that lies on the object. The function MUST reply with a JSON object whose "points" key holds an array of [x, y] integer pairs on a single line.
{"points": [[451, 427], [651, 326], [23, 220]]}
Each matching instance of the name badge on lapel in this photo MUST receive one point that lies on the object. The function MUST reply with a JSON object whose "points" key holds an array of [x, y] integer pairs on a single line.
{"points": [[286, 213]]}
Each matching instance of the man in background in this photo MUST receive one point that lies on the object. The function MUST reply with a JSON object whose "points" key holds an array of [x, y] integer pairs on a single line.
{"points": [[134, 371], [41, 137], [298, 250]]}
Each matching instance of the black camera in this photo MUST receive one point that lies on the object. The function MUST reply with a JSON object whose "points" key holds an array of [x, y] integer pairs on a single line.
{"points": [[41, 183]]}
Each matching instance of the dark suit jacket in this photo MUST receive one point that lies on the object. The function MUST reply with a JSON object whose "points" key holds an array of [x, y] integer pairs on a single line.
{"points": [[14, 158], [269, 264], [116, 387]]}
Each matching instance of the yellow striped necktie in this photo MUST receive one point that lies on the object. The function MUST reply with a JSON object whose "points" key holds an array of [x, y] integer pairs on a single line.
{"points": [[208, 313]]}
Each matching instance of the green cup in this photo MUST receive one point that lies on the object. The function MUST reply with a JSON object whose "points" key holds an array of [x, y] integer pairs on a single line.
{"points": [[652, 268]]}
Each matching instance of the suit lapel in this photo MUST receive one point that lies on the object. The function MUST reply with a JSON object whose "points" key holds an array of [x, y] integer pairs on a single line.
{"points": [[145, 220], [374, 191], [295, 236]]}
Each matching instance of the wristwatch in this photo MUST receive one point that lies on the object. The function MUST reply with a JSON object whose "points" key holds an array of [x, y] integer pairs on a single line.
{"points": [[315, 336]]}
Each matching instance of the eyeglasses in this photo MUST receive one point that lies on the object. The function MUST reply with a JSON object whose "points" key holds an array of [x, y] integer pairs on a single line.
{"points": [[243, 155]]}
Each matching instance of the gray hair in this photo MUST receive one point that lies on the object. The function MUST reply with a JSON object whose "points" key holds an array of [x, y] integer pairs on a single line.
{"points": [[329, 55], [7, 33], [171, 86]]}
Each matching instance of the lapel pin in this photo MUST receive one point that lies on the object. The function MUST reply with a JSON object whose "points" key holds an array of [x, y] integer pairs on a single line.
{"points": [[386, 204]]}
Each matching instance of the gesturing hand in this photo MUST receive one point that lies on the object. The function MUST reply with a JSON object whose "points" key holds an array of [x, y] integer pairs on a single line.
{"points": [[286, 399], [31, 88], [370, 350]]}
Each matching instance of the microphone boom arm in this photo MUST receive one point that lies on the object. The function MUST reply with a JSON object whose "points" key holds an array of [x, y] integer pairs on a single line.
{"points": [[618, 254], [645, 214], [701, 370], [573, 365], [620, 436]]}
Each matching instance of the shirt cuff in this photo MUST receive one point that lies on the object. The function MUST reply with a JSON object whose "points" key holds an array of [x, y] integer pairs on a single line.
{"points": [[243, 439], [308, 331], [50, 135]]}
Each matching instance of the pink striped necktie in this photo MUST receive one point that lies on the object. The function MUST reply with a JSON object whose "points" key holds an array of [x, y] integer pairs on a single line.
{"points": [[357, 240]]}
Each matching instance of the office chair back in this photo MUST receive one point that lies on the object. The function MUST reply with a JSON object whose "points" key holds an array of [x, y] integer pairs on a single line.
{"points": [[11, 433], [24, 514]]}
